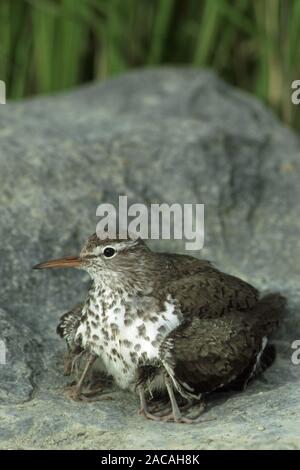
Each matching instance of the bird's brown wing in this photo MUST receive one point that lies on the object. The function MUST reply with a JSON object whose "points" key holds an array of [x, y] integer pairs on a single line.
{"points": [[201, 289], [207, 354]]}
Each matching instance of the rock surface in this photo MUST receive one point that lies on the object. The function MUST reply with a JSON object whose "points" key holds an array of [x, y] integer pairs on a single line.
{"points": [[158, 136]]}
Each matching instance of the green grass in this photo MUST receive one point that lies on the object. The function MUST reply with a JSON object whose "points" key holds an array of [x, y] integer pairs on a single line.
{"points": [[50, 45]]}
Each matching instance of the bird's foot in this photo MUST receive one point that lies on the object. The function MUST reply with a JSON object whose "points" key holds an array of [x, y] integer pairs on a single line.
{"points": [[163, 407], [193, 418], [184, 419], [92, 393], [167, 417], [77, 394], [152, 416], [165, 414], [171, 411], [91, 398], [73, 392], [159, 407]]}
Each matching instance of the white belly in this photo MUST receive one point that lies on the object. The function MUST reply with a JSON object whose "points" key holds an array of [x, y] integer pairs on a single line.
{"points": [[125, 343]]}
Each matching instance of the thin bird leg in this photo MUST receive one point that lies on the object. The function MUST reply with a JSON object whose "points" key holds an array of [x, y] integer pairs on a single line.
{"points": [[68, 360], [88, 365], [142, 400], [75, 390], [175, 408], [163, 406], [176, 414], [75, 360], [144, 409], [151, 413], [90, 396]]}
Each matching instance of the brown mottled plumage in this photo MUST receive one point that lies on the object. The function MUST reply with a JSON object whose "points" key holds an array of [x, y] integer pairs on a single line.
{"points": [[166, 321], [211, 353]]}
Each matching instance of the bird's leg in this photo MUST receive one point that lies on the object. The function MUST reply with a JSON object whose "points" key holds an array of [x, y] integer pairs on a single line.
{"points": [[160, 408], [144, 408], [74, 366], [142, 400], [168, 413], [68, 359], [75, 391], [176, 414], [163, 405], [157, 412], [175, 408], [89, 363]]}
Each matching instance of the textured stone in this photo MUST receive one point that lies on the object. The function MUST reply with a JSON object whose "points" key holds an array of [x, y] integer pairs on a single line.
{"points": [[20, 363], [157, 136]]}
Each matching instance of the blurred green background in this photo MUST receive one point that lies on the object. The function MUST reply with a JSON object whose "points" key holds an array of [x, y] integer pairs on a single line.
{"points": [[50, 45]]}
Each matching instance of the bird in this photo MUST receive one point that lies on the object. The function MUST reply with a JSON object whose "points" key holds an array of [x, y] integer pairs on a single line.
{"points": [[167, 324], [66, 329]]}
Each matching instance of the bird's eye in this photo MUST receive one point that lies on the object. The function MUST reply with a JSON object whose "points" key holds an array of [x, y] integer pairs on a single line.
{"points": [[109, 252]]}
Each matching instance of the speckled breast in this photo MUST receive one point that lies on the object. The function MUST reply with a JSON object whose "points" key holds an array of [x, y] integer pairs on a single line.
{"points": [[126, 332]]}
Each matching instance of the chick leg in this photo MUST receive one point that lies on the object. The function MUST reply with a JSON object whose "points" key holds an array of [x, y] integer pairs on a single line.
{"points": [[144, 408], [75, 391], [176, 414]]}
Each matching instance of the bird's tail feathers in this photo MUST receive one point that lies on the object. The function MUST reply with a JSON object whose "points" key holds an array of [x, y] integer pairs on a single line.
{"points": [[269, 312]]}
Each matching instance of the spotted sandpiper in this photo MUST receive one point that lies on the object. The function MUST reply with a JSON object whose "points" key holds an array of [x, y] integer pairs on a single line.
{"points": [[167, 322]]}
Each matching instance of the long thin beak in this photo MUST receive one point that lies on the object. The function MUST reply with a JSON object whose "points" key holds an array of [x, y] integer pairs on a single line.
{"points": [[67, 262]]}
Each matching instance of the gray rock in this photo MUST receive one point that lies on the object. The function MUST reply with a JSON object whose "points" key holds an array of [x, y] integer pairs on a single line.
{"points": [[157, 136], [20, 360]]}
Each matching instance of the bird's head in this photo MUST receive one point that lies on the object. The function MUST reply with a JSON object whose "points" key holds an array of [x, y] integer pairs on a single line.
{"points": [[115, 258]]}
